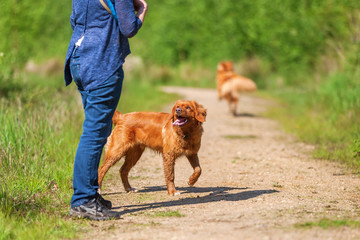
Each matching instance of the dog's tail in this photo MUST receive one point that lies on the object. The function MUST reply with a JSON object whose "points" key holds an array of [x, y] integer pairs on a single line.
{"points": [[243, 84], [116, 117]]}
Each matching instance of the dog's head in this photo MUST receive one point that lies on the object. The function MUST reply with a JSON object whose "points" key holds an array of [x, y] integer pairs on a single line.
{"points": [[186, 112], [225, 66]]}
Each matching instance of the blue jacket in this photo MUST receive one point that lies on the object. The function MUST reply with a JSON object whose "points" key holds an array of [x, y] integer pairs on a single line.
{"points": [[105, 44]]}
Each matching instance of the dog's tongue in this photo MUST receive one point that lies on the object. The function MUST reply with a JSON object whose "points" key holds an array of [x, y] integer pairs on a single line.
{"points": [[180, 121], [176, 122]]}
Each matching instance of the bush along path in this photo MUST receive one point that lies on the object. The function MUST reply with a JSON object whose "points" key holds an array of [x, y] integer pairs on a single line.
{"points": [[257, 183]]}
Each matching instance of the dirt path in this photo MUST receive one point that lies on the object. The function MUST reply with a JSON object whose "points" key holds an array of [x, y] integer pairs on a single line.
{"points": [[257, 183]]}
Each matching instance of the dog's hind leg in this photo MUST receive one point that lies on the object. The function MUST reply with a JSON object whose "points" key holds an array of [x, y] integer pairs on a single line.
{"points": [[229, 99], [194, 161], [104, 168], [112, 156], [234, 107], [131, 158], [234, 102]]}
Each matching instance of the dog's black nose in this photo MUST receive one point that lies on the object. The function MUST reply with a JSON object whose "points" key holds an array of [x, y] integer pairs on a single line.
{"points": [[178, 110]]}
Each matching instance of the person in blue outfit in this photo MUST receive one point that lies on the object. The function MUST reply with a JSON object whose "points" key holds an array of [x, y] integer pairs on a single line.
{"points": [[96, 53]]}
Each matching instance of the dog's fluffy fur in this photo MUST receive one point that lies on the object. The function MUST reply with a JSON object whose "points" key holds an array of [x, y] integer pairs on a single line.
{"points": [[172, 135], [225, 71], [229, 84]]}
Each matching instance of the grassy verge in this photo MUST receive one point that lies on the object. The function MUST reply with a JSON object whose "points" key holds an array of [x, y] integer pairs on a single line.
{"points": [[326, 115], [40, 126], [35, 176]]}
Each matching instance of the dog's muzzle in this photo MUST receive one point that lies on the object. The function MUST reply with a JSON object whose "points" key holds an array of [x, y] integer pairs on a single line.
{"points": [[178, 111]]}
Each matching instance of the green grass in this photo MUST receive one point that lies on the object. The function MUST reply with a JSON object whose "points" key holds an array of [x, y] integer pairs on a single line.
{"points": [[41, 122], [42, 226], [35, 177], [329, 223], [167, 214], [325, 115], [143, 96]]}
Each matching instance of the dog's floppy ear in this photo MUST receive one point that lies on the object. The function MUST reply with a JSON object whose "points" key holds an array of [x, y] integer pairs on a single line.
{"points": [[220, 66], [200, 112], [227, 66]]}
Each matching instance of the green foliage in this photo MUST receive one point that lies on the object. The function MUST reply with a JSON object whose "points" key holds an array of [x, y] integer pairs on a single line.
{"points": [[30, 27], [290, 35], [31, 30]]}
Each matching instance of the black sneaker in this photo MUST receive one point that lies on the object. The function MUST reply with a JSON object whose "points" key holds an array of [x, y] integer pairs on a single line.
{"points": [[93, 210], [105, 203]]}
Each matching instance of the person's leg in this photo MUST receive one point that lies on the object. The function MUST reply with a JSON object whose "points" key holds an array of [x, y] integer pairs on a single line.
{"points": [[99, 106]]}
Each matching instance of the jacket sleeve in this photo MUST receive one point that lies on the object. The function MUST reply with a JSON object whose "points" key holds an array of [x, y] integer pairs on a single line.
{"points": [[128, 22], [72, 17]]}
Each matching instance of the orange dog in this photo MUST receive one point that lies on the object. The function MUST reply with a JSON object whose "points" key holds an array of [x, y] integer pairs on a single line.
{"points": [[225, 71], [229, 84], [173, 135]]}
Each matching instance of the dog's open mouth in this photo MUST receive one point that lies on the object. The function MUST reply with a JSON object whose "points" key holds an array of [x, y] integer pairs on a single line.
{"points": [[180, 121]]}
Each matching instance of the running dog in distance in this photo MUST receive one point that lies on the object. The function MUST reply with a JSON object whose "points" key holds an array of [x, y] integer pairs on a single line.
{"points": [[229, 84]]}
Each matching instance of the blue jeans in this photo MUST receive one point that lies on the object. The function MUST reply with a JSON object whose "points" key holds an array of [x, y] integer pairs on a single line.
{"points": [[99, 106]]}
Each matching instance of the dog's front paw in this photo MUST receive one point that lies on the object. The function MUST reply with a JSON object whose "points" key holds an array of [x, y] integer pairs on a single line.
{"points": [[132, 190], [192, 182], [175, 193]]}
